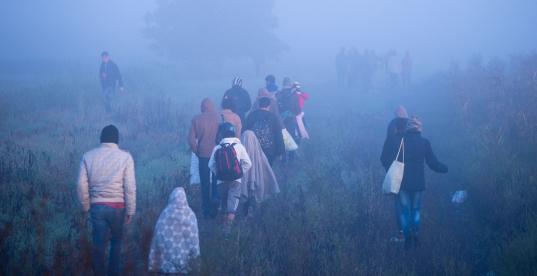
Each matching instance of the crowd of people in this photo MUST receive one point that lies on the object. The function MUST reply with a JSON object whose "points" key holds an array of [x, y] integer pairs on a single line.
{"points": [[367, 70], [235, 148]]}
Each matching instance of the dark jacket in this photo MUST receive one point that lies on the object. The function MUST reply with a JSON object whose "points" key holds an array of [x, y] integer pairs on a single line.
{"points": [[288, 103], [240, 99], [396, 128], [418, 151], [268, 130], [110, 75]]}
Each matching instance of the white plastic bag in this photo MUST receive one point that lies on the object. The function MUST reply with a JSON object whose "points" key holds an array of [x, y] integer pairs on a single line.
{"points": [[194, 170], [290, 144], [394, 176]]}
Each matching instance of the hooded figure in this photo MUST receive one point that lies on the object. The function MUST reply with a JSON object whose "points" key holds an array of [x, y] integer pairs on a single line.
{"points": [[259, 182], [175, 241]]}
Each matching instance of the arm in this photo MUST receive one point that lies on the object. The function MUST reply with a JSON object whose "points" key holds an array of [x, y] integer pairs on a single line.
{"points": [[118, 75], [431, 160], [83, 186], [212, 162], [192, 138], [247, 101], [278, 136], [129, 186], [387, 155]]}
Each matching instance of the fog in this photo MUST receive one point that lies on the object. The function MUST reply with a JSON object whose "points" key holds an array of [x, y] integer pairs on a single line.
{"points": [[435, 32]]}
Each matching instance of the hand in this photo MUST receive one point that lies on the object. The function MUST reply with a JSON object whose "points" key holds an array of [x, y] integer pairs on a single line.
{"points": [[128, 219]]}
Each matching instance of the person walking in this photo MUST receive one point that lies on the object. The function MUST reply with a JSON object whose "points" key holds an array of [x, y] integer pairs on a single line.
{"points": [[417, 151], [227, 115], [175, 247], [396, 131], [240, 99], [107, 189], [269, 91], [110, 79], [201, 139], [259, 182], [229, 161], [268, 130]]}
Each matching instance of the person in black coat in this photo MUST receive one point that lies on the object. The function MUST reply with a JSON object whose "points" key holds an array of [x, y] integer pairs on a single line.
{"points": [[240, 98], [396, 130], [267, 127], [417, 152], [110, 78]]}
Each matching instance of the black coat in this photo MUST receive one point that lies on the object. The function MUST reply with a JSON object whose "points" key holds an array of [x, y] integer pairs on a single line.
{"points": [[240, 100], [110, 75], [268, 130], [418, 151]]}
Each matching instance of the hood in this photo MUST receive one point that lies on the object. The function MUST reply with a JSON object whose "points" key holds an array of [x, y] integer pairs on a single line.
{"points": [[401, 112], [207, 105]]}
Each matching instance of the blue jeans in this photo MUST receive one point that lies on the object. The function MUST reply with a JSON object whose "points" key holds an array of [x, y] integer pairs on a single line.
{"points": [[106, 220], [409, 204]]}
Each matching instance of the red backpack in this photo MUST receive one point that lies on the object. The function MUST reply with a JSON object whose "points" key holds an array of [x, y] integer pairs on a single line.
{"points": [[228, 167]]}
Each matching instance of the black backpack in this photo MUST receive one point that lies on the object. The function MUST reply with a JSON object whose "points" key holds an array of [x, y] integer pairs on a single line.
{"points": [[228, 166]]}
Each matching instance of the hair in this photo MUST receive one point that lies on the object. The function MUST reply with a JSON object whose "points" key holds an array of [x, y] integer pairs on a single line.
{"points": [[226, 130], [264, 102], [105, 54], [227, 103], [110, 134], [270, 78]]}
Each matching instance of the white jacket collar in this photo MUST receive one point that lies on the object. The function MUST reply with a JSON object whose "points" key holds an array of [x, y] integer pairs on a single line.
{"points": [[109, 145], [230, 140]]}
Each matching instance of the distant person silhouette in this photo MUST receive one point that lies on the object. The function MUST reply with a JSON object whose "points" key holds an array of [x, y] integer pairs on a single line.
{"points": [[110, 79], [240, 99]]}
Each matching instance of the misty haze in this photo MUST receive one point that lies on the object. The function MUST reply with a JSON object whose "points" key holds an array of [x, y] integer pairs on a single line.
{"points": [[269, 137]]}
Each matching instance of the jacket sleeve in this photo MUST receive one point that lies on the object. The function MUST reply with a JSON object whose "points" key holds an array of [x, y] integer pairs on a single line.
{"points": [[118, 75], [212, 162], [246, 101], [388, 155], [83, 186], [129, 186], [432, 161], [192, 138], [245, 161], [278, 136]]}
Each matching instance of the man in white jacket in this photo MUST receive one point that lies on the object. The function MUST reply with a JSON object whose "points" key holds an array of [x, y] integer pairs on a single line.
{"points": [[107, 189]]}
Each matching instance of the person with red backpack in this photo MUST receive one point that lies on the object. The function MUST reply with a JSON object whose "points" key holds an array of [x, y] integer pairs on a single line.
{"points": [[229, 161]]}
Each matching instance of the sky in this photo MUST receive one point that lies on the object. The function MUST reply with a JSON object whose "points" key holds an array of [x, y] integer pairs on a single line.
{"points": [[435, 32]]}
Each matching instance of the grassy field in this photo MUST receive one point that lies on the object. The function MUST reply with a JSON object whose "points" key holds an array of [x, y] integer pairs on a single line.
{"points": [[330, 218]]}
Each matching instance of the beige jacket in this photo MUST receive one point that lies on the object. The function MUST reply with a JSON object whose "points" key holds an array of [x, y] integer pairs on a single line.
{"points": [[107, 175]]}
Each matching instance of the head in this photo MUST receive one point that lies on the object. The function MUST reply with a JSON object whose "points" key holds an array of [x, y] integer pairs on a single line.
{"points": [[237, 82], [286, 82], [270, 79], [401, 112], [105, 56], [227, 130], [296, 85], [414, 125], [110, 134], [178, 198], [227, 103], [264, 103], [207, 105]]}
